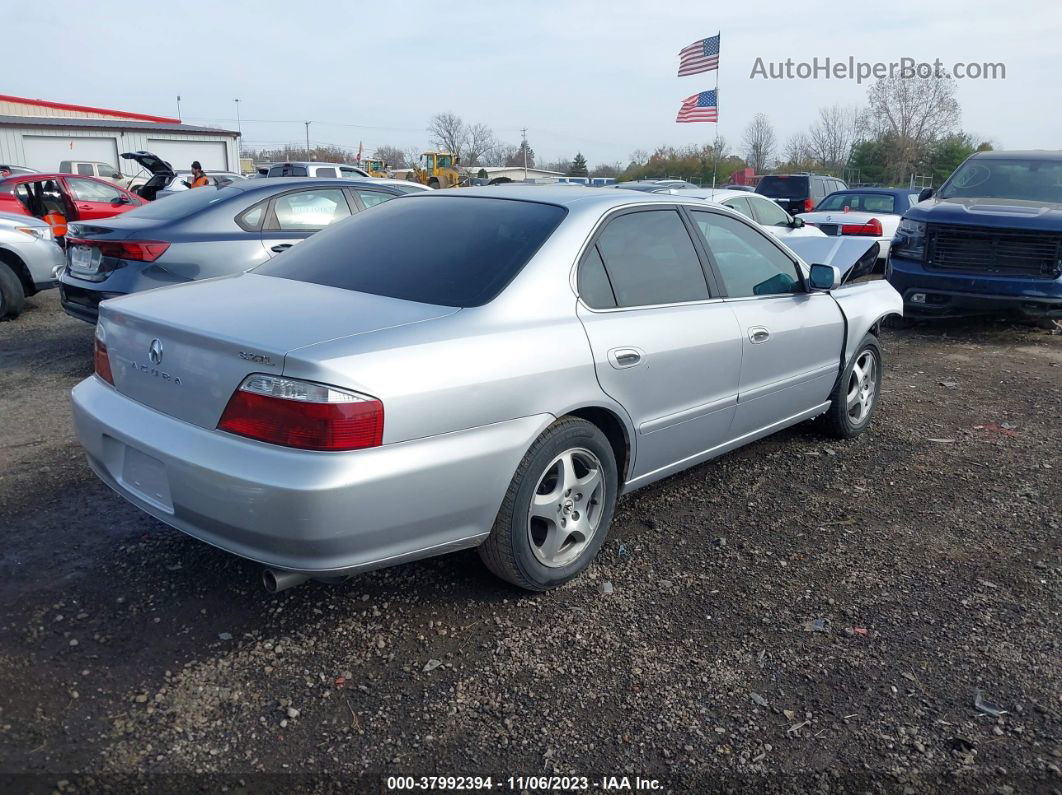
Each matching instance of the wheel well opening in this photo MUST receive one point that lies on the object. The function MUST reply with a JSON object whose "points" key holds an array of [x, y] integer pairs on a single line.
{"points": [[614, 431], [13, 261]]}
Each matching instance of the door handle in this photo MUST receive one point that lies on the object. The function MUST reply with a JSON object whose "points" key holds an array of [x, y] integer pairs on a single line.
{"points": [[621, 358], [758, 334], [281, 247]]}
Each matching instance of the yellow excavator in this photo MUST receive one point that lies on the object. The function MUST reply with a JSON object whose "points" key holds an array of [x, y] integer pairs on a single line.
{"points": [[375, 167], [436, 170]]}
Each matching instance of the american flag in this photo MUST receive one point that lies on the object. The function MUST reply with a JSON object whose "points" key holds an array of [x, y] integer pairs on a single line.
{"points": [[701, 56], [699, 107]]}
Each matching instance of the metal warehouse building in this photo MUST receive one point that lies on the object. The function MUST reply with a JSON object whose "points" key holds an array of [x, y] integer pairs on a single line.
{"points": [[39, 134]]}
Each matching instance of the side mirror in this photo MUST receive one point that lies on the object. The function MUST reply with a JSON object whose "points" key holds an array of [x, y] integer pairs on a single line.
{"points": [[825, 277], [926, 193], [797, 222], [122, 200]]}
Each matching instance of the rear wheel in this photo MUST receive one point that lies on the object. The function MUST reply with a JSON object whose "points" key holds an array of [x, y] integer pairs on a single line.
{"points": [[855, 398], [12, 295], [557, 510]]}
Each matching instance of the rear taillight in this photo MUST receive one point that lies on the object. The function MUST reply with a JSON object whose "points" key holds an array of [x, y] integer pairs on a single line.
{"points": [[294, 413], [137, 250], [808, 205], [871, 228], [100, 357]]}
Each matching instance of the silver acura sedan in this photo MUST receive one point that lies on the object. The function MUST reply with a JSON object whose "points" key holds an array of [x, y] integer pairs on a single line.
{"points": [[487, 367]]}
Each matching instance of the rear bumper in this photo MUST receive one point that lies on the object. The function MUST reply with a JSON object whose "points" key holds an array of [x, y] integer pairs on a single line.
{"points": [[319, 513], [82, 302], [946, 294]]}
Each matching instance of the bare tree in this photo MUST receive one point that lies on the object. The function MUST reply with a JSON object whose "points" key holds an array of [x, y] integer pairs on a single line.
{"points": [[831, 137], [758, 142], [391, 155], [798, 151], [910, 113], [479, 143], [448, 132]]}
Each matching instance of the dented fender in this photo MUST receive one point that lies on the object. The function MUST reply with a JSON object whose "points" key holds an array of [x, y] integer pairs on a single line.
{"points": [[864, 306]]}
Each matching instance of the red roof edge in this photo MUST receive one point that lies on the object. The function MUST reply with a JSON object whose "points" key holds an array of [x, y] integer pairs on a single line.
{"points": [[44, 103]]}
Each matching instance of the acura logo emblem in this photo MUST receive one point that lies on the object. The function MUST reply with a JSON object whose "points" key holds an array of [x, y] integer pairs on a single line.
{"points": [[155, 351]]}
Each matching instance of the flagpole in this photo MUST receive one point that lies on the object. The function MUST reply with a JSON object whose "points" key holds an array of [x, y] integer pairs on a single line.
{"points": [[715, 160]]}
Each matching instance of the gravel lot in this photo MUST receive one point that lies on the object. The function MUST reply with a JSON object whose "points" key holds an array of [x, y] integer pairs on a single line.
{"points": [[927, 552]]}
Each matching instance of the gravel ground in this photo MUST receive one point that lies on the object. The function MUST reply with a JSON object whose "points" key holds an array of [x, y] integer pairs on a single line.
{"points": [[801, 615]]}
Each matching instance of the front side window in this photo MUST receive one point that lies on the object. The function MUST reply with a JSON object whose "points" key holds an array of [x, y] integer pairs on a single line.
{"points": [[370, 198], [87, 190], [749, 263], [308, 210], [768, 213], [741, 205], [650, 259]]}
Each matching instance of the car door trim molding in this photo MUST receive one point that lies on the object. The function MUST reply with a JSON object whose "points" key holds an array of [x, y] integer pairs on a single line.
{"points": [[685, 415]]}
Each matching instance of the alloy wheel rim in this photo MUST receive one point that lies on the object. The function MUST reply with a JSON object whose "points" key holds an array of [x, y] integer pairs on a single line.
{"points": [[862, 388], [566, 507]]}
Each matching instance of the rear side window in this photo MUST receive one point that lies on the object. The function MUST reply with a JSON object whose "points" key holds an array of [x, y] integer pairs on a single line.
{"points": [[650, 259], [370, 198], [784, 187], [324, 172], [594, 286], [435, 249], [85, 169]]}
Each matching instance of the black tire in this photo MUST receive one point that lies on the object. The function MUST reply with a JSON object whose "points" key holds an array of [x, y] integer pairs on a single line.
{"points": [[508, 552], [12, 296], [838, 421]]}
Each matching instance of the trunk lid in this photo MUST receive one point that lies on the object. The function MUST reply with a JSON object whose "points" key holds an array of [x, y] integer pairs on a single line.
{"points": [[184, 350], [153, 163]]}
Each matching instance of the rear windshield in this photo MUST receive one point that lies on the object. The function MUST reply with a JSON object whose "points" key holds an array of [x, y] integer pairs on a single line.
{"points": [[861, 202], [783, 187], [446, 250], [184, 203]]}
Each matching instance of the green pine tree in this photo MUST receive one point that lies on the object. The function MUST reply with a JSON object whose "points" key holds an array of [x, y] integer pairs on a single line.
{"points": [[578, 168]]}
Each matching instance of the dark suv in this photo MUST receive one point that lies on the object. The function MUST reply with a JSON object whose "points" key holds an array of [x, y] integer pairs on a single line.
{"points": [[989, 239], [798, 193]]}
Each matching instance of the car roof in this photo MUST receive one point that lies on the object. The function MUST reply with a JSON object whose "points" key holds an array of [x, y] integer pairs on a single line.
{"points": [[56, 175], [249, 185], [571, 196], [714, 194], [889, 191], [310, 163], [1023, 154]]}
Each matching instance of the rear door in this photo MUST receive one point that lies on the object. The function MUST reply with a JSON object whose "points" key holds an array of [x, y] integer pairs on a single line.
{"points": [[791, 339], [94, 199], [297, 214], [664, 346]]}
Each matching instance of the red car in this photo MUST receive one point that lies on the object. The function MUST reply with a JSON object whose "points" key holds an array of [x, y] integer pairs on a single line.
{"points": [[60, 198]]}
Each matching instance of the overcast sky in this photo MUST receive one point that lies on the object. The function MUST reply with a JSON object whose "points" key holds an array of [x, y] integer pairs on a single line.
{"points": [[596, 77]]}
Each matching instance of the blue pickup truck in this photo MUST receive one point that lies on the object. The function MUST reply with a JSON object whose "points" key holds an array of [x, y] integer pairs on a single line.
{"points": [[990, 239]]}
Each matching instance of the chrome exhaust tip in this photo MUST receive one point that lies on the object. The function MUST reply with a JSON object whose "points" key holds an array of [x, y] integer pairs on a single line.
{"points": [[277, 580]]}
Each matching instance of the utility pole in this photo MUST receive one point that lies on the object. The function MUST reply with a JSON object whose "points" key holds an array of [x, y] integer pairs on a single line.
{"points": [[307, 139], [238, 127], [178, 107], [523, 133]]}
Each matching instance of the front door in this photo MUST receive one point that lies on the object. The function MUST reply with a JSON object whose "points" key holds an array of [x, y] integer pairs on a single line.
{"points": [[95, 199], [791, 338], [664, 348]]}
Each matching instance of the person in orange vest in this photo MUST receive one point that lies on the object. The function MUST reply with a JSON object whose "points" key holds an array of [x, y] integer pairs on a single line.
{"points": [[199, 177]]}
